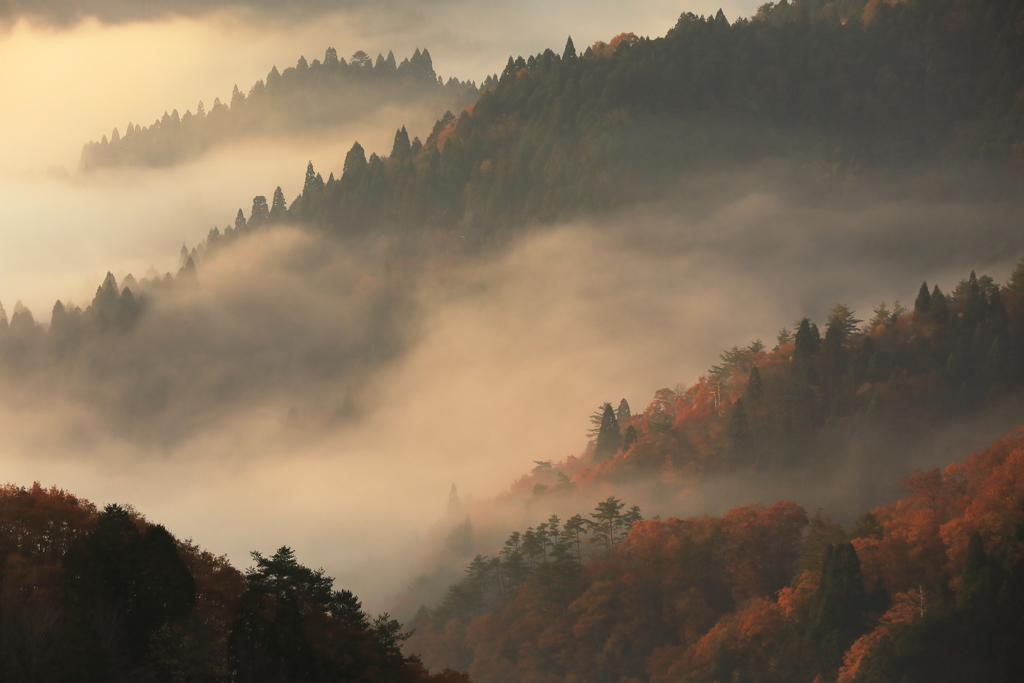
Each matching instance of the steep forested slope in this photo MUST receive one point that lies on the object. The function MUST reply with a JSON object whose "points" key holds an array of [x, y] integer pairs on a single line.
{"points": [[850, 89], [859, 392], [772, 593], [930, 588]]}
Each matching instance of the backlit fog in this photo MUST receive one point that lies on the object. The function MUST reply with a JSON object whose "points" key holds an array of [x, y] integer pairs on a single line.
{"points": [[499, 362]]}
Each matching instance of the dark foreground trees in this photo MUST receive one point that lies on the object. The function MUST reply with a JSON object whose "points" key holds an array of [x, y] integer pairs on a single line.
{"points": [[106, 596]]}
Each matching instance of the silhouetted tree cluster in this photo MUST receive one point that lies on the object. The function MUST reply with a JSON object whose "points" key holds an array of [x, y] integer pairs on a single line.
{"points": [[547, 558], [301, 98], [90, 595]]}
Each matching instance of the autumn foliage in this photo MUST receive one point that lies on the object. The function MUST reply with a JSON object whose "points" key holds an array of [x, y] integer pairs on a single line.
{"points": [[755, 595], [104, 595]]}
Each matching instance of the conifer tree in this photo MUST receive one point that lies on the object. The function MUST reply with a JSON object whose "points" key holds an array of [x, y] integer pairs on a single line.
{"points": [[401, 148], [260, 212], [623, 413], [1016, 281], [807, 340], [609, 438], [836, 616], [310, 184], [570, 50], [355, 162], [278, 207], [924, 300], [608, 522], [938, 309]]}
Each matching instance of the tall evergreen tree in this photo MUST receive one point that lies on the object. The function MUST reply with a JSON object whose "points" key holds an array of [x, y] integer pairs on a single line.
{"points": [[260, 212], [938, 308], [401, 147], [609, 438], [836, 615], [278, 206], [622, 413], [355, 162], [1016, 281], [924, 300], [807, 340], [570, 50]]}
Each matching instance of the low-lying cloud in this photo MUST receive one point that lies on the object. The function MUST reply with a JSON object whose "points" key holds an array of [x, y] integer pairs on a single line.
{"points": [[277, 421]]}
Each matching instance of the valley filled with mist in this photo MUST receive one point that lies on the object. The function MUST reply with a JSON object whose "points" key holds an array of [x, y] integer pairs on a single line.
{"points": [[688, 348]]}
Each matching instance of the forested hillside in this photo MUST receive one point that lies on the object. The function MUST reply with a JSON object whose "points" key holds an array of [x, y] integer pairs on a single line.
{"points": [[851, 89], [106, 595], [930, 588], [859, 392], [305, 98], [775, 594]]}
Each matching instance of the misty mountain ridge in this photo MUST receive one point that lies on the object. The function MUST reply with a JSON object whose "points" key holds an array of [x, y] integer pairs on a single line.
{"points": [[303, 99], [300, 319], [852, 90], [904, 584]]}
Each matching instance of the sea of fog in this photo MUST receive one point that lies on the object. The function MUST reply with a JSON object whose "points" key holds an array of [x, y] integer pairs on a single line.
{"points": [[507, 356]]}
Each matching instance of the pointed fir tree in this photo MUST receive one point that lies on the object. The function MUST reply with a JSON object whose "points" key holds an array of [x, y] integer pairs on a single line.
{"points": [[355, 162], [924, 300], [836, 615], [1016, 281], [278, 206], [570, 50], [401, 148], [622, 413], [609, 438], [807, 340]]}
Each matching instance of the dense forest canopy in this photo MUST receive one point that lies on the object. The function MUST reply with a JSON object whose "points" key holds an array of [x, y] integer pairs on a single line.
{"points": [[853, 392], [853, 89], [930, 588], [307, 97], [106, 595]]}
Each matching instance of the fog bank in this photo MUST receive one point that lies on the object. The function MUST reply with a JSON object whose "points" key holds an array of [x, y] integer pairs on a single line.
{"points": [[277, 427]]}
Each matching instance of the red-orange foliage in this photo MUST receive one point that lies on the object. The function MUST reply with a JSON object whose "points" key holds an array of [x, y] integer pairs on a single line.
{"points": [[704, 598], [926, 533]]}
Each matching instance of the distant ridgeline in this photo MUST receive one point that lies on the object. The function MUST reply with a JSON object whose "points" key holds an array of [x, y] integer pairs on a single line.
{"points": [[849, 86], [302, 98]]}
